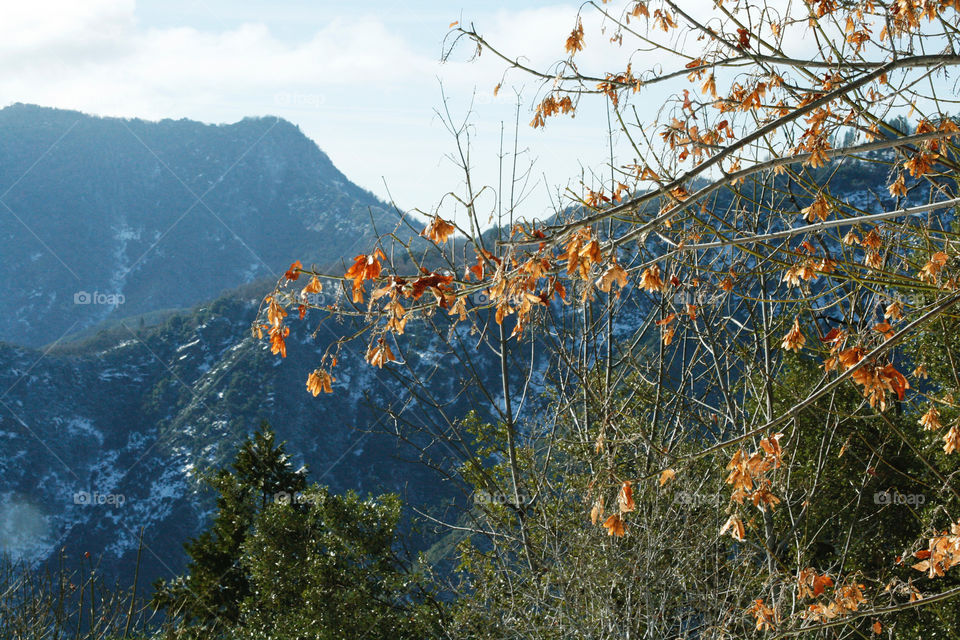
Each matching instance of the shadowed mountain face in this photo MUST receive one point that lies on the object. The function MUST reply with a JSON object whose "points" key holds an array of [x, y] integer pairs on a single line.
{"points": [[103, 218], [103, 438], [123, 231]]}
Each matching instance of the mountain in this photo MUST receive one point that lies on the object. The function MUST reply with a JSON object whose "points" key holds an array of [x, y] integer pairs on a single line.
{"points": [[107, 431], [138, 253], [106, 218], [107, 436]]}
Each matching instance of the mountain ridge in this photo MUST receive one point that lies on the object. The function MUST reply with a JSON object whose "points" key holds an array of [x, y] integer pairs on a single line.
{"points": [[191, 224], [93, 209]]}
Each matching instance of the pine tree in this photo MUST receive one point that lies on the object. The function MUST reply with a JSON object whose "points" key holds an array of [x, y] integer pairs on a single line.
{"points": [[210, 595], [327, 568], [282, 560]]}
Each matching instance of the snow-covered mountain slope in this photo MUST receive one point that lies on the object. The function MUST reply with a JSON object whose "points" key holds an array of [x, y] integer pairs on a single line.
{"points": [[104, 218], [102, 439]]}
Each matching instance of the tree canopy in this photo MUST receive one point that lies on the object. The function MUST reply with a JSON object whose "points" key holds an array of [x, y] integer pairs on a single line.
{"points": [[749, 419], [284, 560]]}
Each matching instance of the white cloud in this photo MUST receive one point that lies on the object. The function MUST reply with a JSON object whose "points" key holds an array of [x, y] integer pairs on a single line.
{"points": [[362, 87], [46, 34], [363, 83]]}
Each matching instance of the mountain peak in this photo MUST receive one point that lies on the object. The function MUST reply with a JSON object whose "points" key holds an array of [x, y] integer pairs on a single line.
{"points": [[112, 217]]}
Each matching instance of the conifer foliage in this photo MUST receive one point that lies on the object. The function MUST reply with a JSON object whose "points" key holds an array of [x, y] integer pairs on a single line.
{"points": [[284, 560]]}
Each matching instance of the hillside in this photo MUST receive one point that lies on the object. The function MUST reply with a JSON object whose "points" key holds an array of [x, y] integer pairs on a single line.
{"points": [[104, 218], [135, 415], [144, 389]]}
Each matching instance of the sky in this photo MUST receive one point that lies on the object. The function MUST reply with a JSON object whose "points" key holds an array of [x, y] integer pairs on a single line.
{"points": [[363, 80]]}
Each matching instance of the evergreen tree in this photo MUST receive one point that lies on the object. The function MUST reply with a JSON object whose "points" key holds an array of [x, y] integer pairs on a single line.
{"points": [[282, 560], [326, 568], [210, 594]]}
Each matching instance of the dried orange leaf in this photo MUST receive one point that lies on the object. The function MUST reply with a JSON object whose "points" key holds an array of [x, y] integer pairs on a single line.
{"points": [[735, 526], [625, 498], [614, 525], [666, 476]]}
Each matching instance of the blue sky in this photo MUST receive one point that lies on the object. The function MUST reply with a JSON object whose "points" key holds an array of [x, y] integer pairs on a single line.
{"points": [[362, 80], [298, 19]]}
